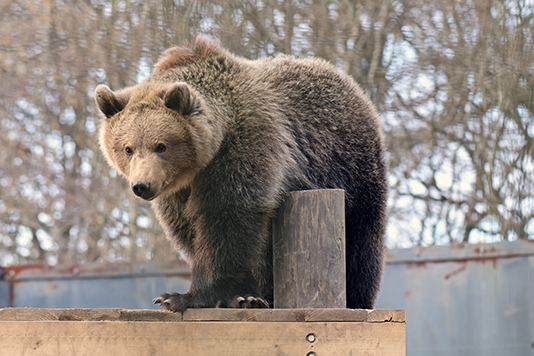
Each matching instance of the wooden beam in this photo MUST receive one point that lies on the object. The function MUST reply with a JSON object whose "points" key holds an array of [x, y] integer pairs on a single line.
{"points": [[193, 338], [309, 250], [222, 314]]}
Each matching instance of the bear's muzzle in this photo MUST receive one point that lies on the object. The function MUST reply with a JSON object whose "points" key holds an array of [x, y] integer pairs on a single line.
{"points": [[141, 188]]}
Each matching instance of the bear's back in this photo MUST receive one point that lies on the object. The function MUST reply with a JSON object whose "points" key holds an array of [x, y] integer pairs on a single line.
{"points": [[318, 96], [334, 123]]}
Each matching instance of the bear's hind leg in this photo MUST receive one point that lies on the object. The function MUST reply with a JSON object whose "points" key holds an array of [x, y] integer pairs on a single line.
{"points": [[365, 259]]}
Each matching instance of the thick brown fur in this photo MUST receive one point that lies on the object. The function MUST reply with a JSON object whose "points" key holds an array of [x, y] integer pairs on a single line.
{"points": [[179, 56], [214, 141]]}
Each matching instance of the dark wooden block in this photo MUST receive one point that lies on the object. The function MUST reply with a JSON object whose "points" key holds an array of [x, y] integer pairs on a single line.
{"points": [[309, 250]]}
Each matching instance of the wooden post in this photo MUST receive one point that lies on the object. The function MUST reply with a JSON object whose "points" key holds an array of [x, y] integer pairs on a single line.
{"points": [[309, 250]]}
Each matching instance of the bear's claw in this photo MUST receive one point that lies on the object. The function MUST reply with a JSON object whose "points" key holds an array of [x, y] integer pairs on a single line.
{"points": [[157, 300], [162, 299], [248, 302]]}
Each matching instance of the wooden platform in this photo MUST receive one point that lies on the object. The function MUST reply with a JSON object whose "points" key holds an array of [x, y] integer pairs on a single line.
{"points": [[117, 332]]}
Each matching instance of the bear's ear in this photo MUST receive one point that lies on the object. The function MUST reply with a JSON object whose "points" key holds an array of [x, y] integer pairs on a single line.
{"points": [[109, 102], [180, 98]]}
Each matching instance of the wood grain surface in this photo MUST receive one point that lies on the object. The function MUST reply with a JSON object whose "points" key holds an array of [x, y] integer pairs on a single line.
{"points": [[309, 250], [96, 338], [260, 315]]}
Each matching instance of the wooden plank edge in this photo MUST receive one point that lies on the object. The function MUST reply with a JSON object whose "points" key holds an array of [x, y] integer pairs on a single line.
{"points": [[298, 315], [82, 314], [198, 315]]}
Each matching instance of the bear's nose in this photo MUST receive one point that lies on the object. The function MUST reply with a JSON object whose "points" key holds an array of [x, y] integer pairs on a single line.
{"points": [[141, 188]]}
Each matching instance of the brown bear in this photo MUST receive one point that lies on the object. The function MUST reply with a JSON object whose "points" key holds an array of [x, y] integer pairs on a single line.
{"points": [[214, 141]]}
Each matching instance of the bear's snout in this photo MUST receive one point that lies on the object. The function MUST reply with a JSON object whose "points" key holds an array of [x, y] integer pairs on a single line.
{"points": [[141, 188]]}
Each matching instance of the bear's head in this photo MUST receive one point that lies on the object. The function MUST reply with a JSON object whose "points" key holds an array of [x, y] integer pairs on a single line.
{"points": [[159, 136]]}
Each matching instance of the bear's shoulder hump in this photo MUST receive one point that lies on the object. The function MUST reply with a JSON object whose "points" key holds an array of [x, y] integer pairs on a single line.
{"points": [[179, 56]]}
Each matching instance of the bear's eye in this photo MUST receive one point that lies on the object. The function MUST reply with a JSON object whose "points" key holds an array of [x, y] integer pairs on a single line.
{"points": [[129, 151], [161, 148]]}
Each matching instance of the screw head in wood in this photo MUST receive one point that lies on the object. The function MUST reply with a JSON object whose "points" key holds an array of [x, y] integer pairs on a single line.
{"points": [[310, 337]]}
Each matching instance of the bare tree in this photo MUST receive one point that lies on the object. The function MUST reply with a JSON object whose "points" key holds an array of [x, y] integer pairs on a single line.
{"points": [[453, 80]]}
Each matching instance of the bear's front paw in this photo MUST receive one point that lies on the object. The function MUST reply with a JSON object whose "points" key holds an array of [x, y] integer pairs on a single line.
{"points": [[177, 302], [244, 302]]}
